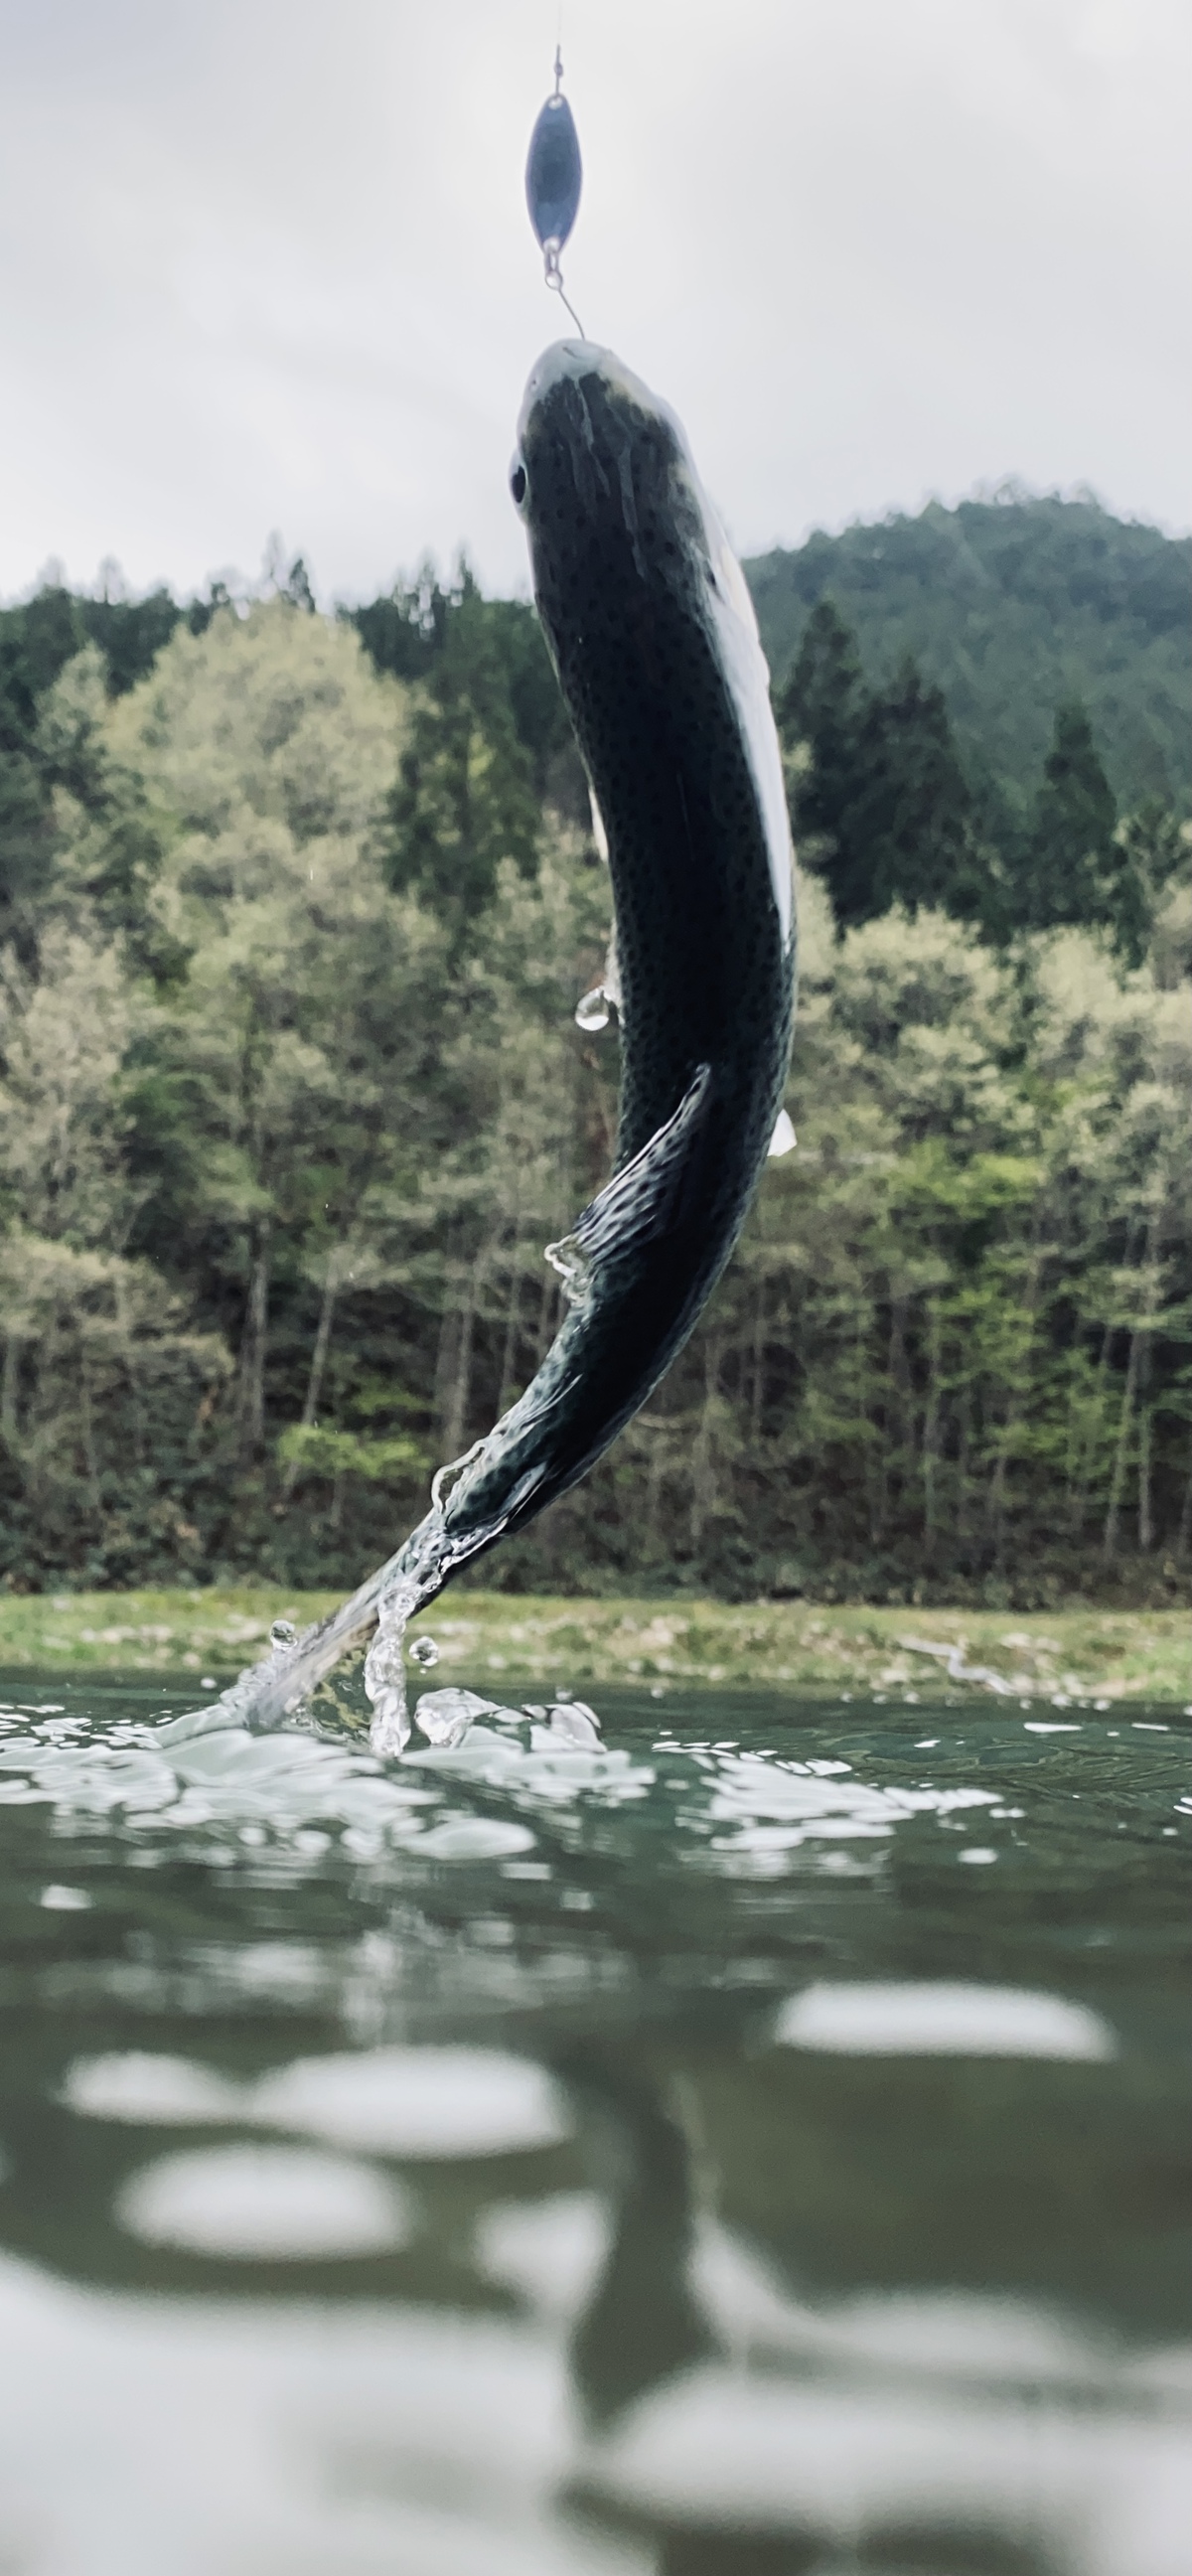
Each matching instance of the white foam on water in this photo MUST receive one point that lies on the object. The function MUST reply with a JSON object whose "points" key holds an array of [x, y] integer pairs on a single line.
{"points": [[941, 2020], [252, 2202], [475, 1838], [382, 2101], [418, 2101], [551, 2252], [210, 2436], [292, 1799], [834, 2467], [772, 1809], [136, 2086]]}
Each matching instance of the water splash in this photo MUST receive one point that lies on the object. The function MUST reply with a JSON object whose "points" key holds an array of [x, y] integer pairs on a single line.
{"points": [[266, 1694], [445, 1717], [282, 1635], [425, 1653], [592, 1013], [385, 1670], [573, 1722], [568, 1257], [453, 1467]]}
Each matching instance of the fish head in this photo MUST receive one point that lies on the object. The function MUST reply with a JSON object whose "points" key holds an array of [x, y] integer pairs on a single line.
{"points": [[626, 546], [603, 479]]}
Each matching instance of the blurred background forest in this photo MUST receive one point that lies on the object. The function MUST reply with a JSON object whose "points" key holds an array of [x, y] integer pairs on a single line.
{"points": [[295, 911]]}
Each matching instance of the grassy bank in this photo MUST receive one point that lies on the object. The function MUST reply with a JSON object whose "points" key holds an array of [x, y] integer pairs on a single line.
{"points": [[508, 1642]]}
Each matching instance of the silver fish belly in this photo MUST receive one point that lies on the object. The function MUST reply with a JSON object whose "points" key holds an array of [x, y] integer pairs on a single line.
{"points": [[653, 636]]}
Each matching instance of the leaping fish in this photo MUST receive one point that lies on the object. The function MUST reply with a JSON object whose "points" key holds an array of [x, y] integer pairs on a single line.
{"points": [[652, 633]]}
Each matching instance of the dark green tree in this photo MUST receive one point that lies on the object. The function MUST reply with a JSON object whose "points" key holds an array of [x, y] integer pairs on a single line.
{"points": [[880, 799], [404, 630], [36, 642], [48, 631], [408, 632], [27, 838], [201, 611], [130, 634], [1009, 605], [1071, 872], [465, 794], [909, 820], [821, 709], [297, 586]]}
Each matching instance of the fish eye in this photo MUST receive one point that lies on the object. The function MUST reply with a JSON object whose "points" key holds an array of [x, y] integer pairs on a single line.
{"points": [[517, 482]]}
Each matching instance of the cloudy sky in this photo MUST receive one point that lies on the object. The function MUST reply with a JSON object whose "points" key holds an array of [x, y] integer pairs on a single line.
{"points": [[266, 264]]}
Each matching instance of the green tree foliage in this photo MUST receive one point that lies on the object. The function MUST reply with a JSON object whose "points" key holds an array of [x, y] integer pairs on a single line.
{"points": [[1077, 866], [1071, 845], [279, 1152], [465, 796], [880, 805], [41, 759], [1011, 607], [102, 1366], [879, 797], [39, 639], [496, 646]]}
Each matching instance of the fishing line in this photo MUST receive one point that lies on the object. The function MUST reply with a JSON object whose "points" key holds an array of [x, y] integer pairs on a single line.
{"points": [[554, 279], [554, 179]]}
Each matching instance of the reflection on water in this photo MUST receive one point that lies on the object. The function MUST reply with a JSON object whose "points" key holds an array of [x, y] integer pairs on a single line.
{"points": [[757, 2140], [255, 2201]]}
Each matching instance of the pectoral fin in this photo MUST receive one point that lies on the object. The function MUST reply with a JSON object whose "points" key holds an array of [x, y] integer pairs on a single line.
{"points": [[640, 1203]]}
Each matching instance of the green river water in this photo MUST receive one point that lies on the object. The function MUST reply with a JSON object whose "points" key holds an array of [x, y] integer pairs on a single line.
{"points": [[760, 2144]]}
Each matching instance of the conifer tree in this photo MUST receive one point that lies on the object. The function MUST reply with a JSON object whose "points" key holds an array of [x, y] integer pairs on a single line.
{"points": [[908, 823], [880, 799], [820, 712], [464, 798], [1070, 854]]}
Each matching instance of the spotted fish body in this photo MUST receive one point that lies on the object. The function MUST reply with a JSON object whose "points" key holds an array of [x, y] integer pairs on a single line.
{"points": [[653, 636], [654, 640]]}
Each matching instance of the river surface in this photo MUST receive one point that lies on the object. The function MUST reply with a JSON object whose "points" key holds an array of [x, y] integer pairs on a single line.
{"points": [[761, 2143]]}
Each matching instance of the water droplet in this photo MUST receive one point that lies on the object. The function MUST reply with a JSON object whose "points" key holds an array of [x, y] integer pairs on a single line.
{"points": [[282, 1635], [425, 1653], [592, 1012]]}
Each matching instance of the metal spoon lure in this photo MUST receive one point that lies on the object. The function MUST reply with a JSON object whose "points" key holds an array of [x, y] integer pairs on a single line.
{"points": [[554, 178]]}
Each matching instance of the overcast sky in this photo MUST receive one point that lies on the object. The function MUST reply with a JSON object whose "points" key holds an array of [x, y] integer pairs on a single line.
{"points": [[266, 264]]}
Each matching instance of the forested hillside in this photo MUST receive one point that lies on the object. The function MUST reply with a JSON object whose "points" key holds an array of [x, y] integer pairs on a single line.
{"points": [[1012, 607], [292, 1096]]}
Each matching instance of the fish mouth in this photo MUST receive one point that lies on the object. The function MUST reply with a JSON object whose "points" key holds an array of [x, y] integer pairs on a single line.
{"points": [[583, 362]]}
